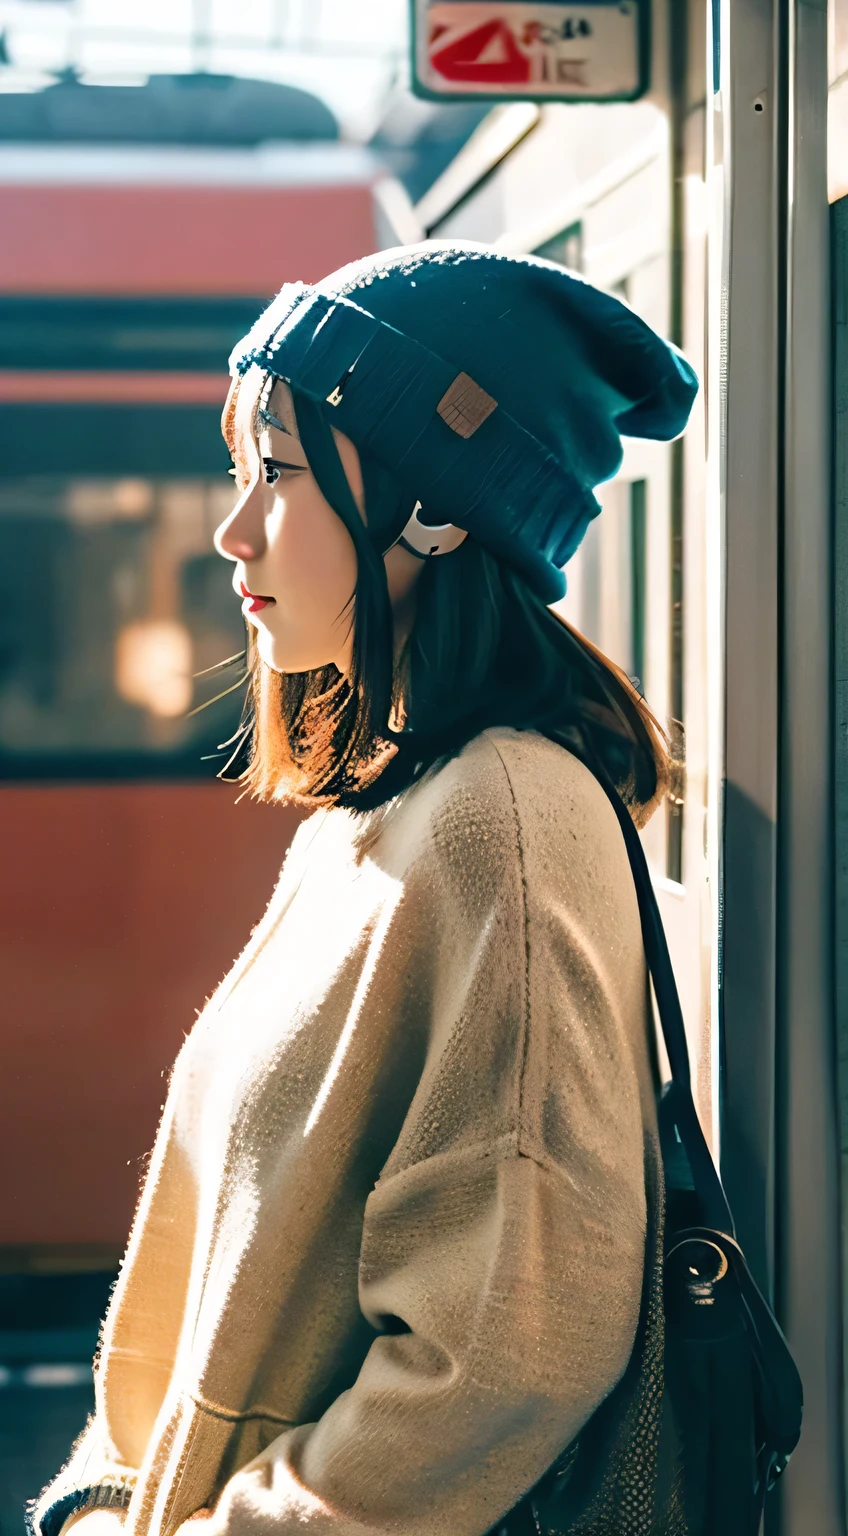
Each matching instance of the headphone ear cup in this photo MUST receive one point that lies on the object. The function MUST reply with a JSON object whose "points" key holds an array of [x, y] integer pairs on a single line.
{"points": [[426, 541]]}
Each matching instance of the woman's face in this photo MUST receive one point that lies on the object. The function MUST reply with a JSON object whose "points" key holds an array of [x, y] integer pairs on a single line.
{"points": [[292, 551]]}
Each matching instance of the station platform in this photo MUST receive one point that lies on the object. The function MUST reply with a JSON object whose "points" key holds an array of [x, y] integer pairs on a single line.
{"points": [[48, 1336]]}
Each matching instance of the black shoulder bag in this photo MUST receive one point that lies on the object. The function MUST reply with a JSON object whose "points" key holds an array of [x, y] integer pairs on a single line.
{"points": [[707, 1415]]}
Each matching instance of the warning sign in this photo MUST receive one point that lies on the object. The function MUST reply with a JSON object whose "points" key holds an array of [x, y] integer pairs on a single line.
{"points": [[489, 54], [531, 49]]}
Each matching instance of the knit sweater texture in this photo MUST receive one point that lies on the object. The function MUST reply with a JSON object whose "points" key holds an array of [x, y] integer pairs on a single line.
{"points": [[390, 1250]]}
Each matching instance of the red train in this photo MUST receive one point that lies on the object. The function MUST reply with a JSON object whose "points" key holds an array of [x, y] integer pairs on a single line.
{"points": [[131, 877]]}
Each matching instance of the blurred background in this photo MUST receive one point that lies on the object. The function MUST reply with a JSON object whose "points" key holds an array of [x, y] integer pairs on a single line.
{"points": [[164, 167]]}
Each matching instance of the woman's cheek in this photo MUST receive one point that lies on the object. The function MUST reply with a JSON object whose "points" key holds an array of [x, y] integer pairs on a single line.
{"points": [[311, 569], [293, 561], [274, 525], [323, 549]]}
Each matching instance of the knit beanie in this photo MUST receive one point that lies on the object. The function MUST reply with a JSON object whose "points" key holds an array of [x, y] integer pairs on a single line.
{"points": [[496, 389]]}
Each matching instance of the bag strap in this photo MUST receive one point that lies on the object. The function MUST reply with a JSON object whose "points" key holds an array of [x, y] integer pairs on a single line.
{"points": [[781, 1392], [705, 1176]]}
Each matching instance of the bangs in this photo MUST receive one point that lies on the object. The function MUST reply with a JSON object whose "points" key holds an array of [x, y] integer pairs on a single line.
{"points": [[228, 419], [232, 437]]}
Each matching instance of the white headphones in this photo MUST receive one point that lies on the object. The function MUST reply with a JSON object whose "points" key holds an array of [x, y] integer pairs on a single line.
{"points": [[426, 542]]}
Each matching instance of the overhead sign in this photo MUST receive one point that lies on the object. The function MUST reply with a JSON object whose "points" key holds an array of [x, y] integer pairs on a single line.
{"points": [[536, 50]]}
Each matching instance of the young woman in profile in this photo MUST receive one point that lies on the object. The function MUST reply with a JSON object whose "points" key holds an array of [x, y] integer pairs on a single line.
{"points": [[399, 1242]]}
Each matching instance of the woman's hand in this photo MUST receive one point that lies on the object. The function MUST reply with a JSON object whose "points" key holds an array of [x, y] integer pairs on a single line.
{"points": [[194, 1524]]}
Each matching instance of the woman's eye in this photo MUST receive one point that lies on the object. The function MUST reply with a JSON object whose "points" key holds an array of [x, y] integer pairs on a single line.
{"points": [[272, 474]]}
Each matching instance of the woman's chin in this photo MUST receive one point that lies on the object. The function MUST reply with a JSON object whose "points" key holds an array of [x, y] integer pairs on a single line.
{"points": [[282, 657]]}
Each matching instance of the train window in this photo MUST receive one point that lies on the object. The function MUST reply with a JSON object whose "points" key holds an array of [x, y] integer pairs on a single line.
{"points": [[566, 248], [134, 333], [112, 599]]}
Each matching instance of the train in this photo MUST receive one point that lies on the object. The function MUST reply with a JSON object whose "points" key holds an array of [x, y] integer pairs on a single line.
{"points": [[131, 877]]}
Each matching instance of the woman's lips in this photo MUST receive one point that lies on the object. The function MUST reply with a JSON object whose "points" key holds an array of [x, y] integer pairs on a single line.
{"points": [[256, 601]]}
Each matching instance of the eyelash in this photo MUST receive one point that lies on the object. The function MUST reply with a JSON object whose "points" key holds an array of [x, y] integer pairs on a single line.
{"points": [[270, 469], [278, 468]]}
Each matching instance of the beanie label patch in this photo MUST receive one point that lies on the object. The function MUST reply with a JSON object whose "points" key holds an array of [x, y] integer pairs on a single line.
{"points": [[465, 406]]}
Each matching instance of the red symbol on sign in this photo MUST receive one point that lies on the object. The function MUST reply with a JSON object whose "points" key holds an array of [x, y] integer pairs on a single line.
{"points": [[488, 54]]}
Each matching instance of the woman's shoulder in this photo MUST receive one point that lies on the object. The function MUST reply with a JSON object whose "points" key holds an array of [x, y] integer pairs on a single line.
{"points": [[568, 830], [535, 766], [498, 800], [535, 777]]}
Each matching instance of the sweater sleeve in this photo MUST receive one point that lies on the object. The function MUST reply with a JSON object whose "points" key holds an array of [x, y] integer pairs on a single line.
{"points": [[494, 1290], [501, 1266], [94, 1478]]}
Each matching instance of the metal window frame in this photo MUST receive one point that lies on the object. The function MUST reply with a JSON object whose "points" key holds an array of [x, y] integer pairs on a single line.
{"points": [[839, 245]]}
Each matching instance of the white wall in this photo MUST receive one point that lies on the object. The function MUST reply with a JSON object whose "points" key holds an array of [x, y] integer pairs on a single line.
{"points": [[837, 115]]}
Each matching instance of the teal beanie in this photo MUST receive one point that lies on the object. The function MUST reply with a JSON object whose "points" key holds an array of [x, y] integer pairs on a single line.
{"points": [[496, 389]]}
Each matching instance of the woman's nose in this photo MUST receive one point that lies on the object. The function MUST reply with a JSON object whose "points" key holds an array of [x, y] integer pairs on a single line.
{"points": [[242, 535]]}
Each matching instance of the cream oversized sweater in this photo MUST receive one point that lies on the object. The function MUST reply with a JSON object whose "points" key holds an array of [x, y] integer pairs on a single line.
{"points": [[390, 1250]]}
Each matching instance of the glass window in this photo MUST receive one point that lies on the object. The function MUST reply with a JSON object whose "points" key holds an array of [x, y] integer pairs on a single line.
{"points": [[607, 578], [182, 334], [112, 600], [566, 248]]}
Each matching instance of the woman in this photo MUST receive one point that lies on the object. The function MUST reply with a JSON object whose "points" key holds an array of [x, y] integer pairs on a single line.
{"points": [[398, 1244]]}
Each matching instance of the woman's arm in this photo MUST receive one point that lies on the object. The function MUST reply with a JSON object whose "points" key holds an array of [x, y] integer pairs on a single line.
{"points": [[518, 1298]]}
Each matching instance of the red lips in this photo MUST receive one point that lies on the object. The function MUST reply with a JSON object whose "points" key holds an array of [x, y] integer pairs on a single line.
{"points": [[257, 601]]}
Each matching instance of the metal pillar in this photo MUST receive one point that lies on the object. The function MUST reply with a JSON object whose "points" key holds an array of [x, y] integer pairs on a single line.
{"points": [[809, 1291], [772, 310], [745, 412]]}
